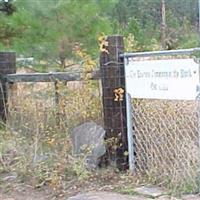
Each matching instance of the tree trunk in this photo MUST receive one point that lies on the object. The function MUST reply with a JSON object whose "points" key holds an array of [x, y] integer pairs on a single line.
{"points": [[163, 24]]}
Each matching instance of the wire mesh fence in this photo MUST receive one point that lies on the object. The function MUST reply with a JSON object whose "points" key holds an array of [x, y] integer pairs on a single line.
{"points": [[41, 116], [40, 120], [165, 131], [166, 143], [62, 104]]}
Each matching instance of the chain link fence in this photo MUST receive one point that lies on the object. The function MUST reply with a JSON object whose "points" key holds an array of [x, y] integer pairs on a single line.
{"points": [[166, 143]]}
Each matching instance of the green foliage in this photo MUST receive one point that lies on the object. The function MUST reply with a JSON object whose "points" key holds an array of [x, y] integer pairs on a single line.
{"points": [[50, 30], [46, 27]]}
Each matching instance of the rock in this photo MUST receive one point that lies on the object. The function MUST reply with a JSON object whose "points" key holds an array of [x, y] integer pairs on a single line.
{"points": [[191, 197], [40, 158], [150, 191], [165, 197], [10, 176], [105, 196], [9, 199], [88, 139]]}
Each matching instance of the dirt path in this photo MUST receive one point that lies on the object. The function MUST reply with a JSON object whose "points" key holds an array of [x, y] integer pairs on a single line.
{"points": [[24, 193], [28, 193], [105, 196], [97, 187]]}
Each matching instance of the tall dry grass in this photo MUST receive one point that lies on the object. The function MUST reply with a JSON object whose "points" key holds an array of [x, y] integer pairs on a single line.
{"points": [[36, 143]]}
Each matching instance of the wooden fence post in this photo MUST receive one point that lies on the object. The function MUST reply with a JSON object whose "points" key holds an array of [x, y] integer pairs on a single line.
{"points": [[114, 102], [7, 66]]}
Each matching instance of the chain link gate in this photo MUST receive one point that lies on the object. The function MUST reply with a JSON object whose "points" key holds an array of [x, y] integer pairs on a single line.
{"points": [[166, 139], [166, 143]]}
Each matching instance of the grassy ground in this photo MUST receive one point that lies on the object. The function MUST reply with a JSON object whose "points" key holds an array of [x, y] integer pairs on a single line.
{"points": [[101, 180], [35, 144]]}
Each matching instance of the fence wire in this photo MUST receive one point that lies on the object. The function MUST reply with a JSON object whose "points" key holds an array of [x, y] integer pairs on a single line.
{"points": [[166, 143], [41, 117], [63, 104]]}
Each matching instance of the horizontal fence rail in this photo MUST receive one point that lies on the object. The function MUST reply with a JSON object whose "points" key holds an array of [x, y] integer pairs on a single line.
{"points": [[161, 53], [48, 77]]}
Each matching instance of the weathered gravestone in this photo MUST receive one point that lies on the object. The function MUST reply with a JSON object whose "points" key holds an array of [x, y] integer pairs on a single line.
{"points": [[88, 139]]}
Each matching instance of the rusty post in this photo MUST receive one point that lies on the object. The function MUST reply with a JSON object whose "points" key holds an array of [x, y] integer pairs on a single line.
{"points": [[114, 101]]}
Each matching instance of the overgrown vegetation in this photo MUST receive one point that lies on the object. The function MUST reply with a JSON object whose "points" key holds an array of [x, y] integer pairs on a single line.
{"points": [[36, 144], [60, 34]]}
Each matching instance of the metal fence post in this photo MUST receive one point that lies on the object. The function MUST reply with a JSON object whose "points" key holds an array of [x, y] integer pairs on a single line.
{"points": [[198, 121], [198, 125], [114, 101], [130, 134]]}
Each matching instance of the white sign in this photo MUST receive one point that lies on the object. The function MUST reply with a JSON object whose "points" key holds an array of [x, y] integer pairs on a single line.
{"points": [[162, 79]]}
